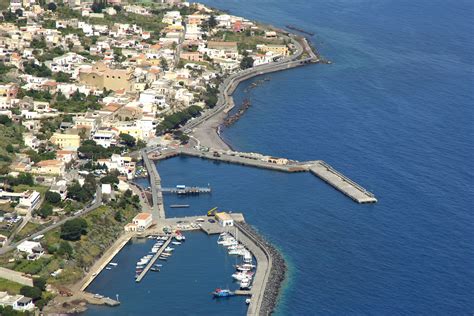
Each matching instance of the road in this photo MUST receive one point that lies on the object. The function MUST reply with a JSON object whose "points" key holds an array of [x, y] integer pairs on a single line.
{"points": [[96, 204]]}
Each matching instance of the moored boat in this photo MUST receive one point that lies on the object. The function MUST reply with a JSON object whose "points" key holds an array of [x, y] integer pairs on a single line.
{"points": [[223, 293]]}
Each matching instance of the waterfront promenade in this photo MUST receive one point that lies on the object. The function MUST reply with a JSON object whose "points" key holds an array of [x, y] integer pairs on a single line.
{"points": [[205, 128]]}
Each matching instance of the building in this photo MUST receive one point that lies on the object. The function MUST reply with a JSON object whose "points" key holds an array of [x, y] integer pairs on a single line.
{"points": [[224, 219], [142, 221], [17, 302], [49, 167], [30, 247], [66, 141], [101, 76], [29, 201], [192, 56], [60, 187], [105, 137], [106, 189], [3, 240], [281, 50]]}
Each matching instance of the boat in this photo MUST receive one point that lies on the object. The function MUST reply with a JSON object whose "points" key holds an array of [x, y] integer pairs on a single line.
{"points": [[245, 267], [222, 293], [113, 264], [179, 205], [165, 254], [247, 257], [108, 268], [239, 276], [169, 249], [247, 301], [163, 258], [176, 243], [245, 283], [155, 269], [158, 265]]}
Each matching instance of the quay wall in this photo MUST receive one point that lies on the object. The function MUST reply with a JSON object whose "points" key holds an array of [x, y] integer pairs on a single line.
{"points": [[265, 296]]}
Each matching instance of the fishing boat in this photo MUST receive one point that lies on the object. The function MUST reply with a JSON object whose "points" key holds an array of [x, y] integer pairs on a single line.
{"points": [[222, 293]]}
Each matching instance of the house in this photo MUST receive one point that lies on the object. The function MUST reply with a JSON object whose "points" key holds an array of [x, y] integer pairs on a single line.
{"points": [[142, 221], [66, 141], [31, 141], [222, 49], [101, 76], [30, 247], [105, 137], [49, 167], [66, 155], [281, 50], [192, 56], [17, 302], [29, 201], [106, 189], [60, 187], [224, 219]]}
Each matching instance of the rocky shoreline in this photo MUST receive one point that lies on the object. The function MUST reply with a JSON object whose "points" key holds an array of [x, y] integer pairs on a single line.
{"points": [[277, 272]]}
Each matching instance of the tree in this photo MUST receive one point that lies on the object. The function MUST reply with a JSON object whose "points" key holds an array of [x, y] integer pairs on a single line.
{"points": [[73, 229], [10, 148], [53, 197], [97, 6], [164, 64], [117, 8], [246, 62], [109, 179], [212, 21], [40, 283], [45, 211], [65, 249], [62, 77], [31, 292], [127, 140], [5, 120], [52, 6]]}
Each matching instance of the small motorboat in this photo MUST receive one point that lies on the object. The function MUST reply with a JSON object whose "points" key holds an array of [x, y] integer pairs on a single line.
{"points": [[155, 269], [169, 249], [176, 243], [222, 293], [108, 268], [163, 258], [247, 301], [113, 264]]}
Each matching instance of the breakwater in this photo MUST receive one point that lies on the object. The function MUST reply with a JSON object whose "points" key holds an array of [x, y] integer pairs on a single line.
{"points": [[318, 168], [274, 274]]}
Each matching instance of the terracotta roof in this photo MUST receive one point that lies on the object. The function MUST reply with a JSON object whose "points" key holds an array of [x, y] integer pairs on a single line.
{"points": [[46, 163], [142, 216]]}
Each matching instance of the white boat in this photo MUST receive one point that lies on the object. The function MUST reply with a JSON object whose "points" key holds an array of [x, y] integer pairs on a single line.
{"points": [[239, 252], [108, 268], [238, 246], [113, 264], [169, 249], [245, 283], [176, 243], [245, 267], [239, 276], [166, 254], [247, 257], [247, 301], [179, 237]]}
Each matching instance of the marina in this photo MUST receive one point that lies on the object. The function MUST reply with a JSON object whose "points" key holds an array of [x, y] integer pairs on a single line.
{"points": [[152, 261]]}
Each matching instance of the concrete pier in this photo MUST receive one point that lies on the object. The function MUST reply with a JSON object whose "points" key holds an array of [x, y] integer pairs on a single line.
{"points": [[153, 260], [158, 209], [318, 168]]}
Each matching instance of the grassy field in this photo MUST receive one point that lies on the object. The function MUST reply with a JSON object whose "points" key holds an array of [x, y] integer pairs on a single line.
{"points": [[23, 187], [4, 4], [10, 286]]}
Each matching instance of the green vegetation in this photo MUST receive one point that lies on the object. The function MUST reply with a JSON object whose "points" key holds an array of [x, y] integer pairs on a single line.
{"points": [[77, 102], [246, 62], [9, 286], [4, 69], [90, 150], [10, 135], [104, 226], [73, 229], [211, 96], [174, 120], [82, 193], [36, 70]]}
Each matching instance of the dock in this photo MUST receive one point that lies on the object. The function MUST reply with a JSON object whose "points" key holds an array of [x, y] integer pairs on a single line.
{"points": [[187, 190], [342, 183], [318, 168], [158, 209], [153, 260]]}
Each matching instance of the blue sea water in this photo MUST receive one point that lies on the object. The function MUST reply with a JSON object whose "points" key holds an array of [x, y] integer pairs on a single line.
{"points": [[394, 112]]}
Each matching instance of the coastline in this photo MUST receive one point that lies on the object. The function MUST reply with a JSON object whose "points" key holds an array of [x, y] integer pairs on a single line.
{"points": [[206, 128]]}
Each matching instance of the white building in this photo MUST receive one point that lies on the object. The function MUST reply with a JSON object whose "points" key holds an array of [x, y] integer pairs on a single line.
{"points": [[30, 247], [106, 189], [18, 302], [142, 221], [105, 137], [225, 219], [29, 201]]}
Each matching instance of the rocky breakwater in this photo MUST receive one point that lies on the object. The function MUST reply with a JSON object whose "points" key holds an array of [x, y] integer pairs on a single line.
{"points": [[277, 271]]}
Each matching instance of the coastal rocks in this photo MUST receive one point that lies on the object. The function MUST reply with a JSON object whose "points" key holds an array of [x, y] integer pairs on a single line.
{"points": [[277, 272]]}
